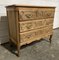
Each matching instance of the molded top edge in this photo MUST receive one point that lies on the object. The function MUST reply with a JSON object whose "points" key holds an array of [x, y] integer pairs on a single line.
{"points": [[29, 6]]}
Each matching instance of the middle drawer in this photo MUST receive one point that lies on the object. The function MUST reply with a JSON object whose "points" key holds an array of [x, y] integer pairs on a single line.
{"points": [[29, 25]]}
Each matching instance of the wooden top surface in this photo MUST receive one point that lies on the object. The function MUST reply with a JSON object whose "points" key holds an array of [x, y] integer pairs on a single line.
{"points": [[29, 6]]}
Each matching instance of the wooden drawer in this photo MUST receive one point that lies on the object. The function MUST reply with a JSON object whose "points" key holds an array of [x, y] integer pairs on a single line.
{"points": [[35, 13], [29, 25]]}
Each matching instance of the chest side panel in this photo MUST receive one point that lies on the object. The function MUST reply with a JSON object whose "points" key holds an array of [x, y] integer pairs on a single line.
{"points": [[12, 23]]}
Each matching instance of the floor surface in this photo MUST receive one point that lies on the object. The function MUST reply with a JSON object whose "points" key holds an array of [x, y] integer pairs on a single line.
{"points": [[39, 50]]}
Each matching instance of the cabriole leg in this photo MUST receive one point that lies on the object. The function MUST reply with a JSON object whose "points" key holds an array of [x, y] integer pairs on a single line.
{"points": [[50, 38], [18, 50]]}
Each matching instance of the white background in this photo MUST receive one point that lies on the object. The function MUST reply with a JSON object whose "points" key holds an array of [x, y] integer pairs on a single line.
{"points": [[3, 3]]}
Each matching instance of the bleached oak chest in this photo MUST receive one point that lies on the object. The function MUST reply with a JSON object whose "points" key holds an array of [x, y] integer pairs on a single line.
{"points": [[29, 23]]}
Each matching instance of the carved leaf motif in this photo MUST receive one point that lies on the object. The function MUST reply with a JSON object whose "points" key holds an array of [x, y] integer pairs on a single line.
{"points": [[29, 36], [22, 26], [29, 25], [26, 26], [29, 15]]}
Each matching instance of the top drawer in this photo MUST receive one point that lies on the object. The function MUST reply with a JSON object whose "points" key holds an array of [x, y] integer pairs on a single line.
{"points": [[35, 13]]}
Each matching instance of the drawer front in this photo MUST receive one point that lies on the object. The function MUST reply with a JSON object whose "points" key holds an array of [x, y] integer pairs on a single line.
{"points": [[29, 25], [35, 34], [35, 13]]}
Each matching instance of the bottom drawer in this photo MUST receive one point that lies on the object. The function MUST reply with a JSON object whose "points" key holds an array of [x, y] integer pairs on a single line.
{"points": [[28, 37]]}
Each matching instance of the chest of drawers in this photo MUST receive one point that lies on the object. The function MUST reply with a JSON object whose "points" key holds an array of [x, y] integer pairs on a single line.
{"points": [[29, 23]]}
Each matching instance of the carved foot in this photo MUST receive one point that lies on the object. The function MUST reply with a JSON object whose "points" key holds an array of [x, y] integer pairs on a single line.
{"points": [[50, 39], [18, 51]]}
